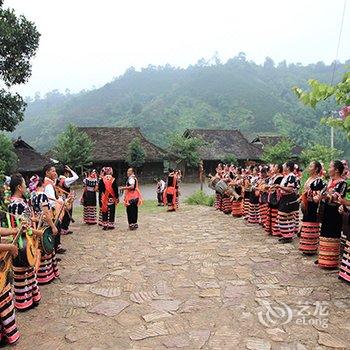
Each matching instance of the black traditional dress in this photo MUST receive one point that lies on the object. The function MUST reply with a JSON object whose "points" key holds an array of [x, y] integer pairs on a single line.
{"points": [[271, 225], [89, 200], [310, 227], [288, 207], [26, 290], [332, 222]]}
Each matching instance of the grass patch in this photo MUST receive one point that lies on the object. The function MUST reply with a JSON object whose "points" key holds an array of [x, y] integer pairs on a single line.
{"points": [[200, 198], [149, 206]]}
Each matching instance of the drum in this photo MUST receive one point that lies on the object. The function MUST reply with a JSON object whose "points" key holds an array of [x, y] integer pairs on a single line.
{"points": [[212, 183], [26, 251], [47, 241], [221, 186]]}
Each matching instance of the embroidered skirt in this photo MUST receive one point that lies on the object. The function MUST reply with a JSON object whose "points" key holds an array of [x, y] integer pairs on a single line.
{"points": [[226, 205], [328, 254], [26, 288], [48, 269], [309, 237], [237, 208], [89, 215], [218, 201], [8, 325], [344, 272]]}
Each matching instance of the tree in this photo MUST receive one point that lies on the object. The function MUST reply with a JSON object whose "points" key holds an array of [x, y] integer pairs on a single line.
{"points": [[230, 159], [73, 147], [279, 153], [186, 149], [321, 92], [8, 157], [321, 153], [19, 40], [136, 154]]}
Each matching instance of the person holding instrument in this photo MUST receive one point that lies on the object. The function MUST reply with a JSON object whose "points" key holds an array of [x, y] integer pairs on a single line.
{"points": [[48, 269], [310, 227], [64, 184], [26, 290], [331, 224], [9, 332]]}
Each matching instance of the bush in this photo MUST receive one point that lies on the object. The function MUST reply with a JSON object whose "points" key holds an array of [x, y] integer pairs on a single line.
{"points": [[200, 198]]}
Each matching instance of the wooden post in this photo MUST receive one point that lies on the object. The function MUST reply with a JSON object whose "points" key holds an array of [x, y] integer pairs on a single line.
{"points": [[201, 173]]}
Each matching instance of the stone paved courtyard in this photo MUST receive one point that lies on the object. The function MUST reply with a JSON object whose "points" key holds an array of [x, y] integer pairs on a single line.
{"points": [[195, 279]]}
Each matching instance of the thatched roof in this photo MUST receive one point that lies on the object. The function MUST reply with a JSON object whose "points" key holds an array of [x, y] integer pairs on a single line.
{"points": [[221, 143], [111, 144], [271, 140], [29, 160]]}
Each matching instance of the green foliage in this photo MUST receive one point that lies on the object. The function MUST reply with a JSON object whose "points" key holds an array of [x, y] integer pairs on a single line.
{"points": [[320, 92], [164, 100], [230, 159], [279, 153], [320, 153], [19, 40], [8, 157], [200, 198], [186, 149], [136, 154], [73, 147]]}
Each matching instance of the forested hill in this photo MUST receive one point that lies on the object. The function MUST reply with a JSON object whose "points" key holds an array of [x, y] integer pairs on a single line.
{"points": [[162, 100]]}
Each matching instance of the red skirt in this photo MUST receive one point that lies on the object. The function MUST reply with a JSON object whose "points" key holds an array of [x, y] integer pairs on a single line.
{"points": [[253, 216], [237, 208], [309, 237], [263, 209], [226, 205], [218, 201], [328, 254], [286, 224]]}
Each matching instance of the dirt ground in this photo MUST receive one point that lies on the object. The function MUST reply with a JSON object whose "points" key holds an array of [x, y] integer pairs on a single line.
{"points": [[194, 279]]}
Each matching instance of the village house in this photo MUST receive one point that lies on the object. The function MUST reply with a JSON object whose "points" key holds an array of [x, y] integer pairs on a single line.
{"points": [[111, 149], [30, 161], [220, 145]]}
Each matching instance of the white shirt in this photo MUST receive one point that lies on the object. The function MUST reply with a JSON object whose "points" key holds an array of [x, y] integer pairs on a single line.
{"points": [[68, 181], [50, 192]]}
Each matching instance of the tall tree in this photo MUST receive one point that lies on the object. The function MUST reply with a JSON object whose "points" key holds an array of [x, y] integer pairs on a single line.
{"points": [[279, 153], [186, 149], [136, 154], [73, 147], [8, 157], [19, 40]]}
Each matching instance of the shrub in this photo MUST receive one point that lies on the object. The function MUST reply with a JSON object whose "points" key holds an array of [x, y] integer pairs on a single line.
{"points": [[200, 198]]}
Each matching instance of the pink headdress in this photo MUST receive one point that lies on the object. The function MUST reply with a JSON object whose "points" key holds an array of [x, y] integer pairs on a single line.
{"points": [[33, 183]]}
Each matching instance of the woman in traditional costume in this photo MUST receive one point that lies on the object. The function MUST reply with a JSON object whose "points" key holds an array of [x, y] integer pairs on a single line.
{"points": [[288, 205], [89, 198], [132, 199], [8, 327], [218, 195], [170, 191], [310, 227], [263, 195], [253, 212], [331, 224], [26, 290], [48, 269], [237, 203], [109, 195]]}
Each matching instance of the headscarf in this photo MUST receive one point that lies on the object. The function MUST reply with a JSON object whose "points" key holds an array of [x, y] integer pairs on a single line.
{"points": [[108, 170], [33, 183]]}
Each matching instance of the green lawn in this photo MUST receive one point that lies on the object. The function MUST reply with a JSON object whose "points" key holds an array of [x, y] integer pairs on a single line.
{"points": [[149, 206]]}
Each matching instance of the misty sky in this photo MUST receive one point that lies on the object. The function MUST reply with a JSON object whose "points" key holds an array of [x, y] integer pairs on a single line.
{"points": [[87, 43]]}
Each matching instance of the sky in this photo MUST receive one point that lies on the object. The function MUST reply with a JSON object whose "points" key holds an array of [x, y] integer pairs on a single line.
{"points": [[87, 43]]}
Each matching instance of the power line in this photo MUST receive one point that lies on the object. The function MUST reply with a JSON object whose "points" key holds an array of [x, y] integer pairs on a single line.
{"points": [[339, 39]]}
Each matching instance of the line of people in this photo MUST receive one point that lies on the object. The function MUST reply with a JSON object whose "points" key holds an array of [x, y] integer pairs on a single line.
{"points": [[32, 222], [271, 197]]}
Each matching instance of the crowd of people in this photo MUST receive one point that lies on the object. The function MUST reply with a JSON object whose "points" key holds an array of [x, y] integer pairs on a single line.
{"points": [[33, 218], [271, 196]]}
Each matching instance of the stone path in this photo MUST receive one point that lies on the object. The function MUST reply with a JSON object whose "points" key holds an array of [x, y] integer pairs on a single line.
{"points": [[195, 279]]}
